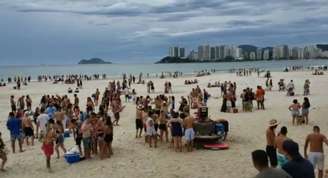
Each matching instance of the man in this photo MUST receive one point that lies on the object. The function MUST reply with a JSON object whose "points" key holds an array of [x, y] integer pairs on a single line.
{"points": [[297, 166], [189, 132], [261, 163], [14, 125], [42, 121], [282, 136], [260, 97], [13, 103], [316, 156], [271, 146], [139, 120], [76, 100]]}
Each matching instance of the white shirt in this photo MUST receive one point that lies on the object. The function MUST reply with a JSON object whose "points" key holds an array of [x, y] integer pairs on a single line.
{"points": [[43, 120]]}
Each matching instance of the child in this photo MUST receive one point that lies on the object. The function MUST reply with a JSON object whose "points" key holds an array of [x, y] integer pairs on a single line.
{"points": [[48, 145], [3, 154]]}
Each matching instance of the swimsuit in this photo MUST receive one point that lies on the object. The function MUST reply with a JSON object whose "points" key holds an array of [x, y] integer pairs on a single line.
{"points": [[28, 131], [48, 149], [139, 124], [176, 129], [108, 138]]}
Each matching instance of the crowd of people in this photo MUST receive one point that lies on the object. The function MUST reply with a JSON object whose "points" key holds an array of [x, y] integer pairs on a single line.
{"points": [[282, 158]]}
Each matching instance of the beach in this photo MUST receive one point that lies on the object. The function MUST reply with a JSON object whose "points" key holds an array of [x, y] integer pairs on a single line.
{"points": [[132, 158]]}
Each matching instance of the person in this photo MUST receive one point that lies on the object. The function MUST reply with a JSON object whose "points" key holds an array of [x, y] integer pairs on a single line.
{"points": [[270, 148], [108, 136], [176, 124], [13, 103], [297, 166], [260, 97], [261, 163], [306, 109], [42, 121], [279, 140], [97, 94], [306, 87], [139, 120], [76, 100], [28, 128], [150, 130], [163, 126], [189, 132], [28, 101], [316, 156], [86, 130], [14, 125], [3, 154], [295, 110], [290, 88], [59, 128], [48, 144]]}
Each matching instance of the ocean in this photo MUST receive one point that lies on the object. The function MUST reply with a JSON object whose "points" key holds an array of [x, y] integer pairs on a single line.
{"points": [[116, 70]]}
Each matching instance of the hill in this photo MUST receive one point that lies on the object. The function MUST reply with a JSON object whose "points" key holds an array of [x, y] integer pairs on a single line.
{"points": [[93, 61]]}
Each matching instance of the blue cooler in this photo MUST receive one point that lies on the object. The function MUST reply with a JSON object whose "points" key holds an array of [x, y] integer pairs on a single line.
{"points": [[72, 158], [66, 134]]}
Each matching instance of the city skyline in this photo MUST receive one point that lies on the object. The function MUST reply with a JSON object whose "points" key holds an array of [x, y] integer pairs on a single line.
{"points": [[217, 52], [65, 31]]}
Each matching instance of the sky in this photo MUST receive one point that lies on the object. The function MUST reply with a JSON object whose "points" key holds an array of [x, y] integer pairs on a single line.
{"points": [[141, 31]]}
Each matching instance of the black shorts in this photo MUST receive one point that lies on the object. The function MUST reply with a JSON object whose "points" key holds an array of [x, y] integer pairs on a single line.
{"points": [[28, 131], [272, 154], [139, 124], [108, 138], [162, 127], [78, 140], [156, 127]]}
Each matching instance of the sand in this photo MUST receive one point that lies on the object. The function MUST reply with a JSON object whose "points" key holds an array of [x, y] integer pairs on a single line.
{"points": [[134, 159]]}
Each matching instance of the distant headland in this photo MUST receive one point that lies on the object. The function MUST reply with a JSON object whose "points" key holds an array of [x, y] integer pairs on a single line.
{"points": [[94, 61]]}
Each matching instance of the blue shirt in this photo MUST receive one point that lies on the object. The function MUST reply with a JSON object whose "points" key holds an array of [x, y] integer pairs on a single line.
{"points": [[15, 126], [299, 168], [51, 111]]}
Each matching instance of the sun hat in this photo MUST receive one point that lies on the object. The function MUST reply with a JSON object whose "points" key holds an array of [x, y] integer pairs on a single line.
{"points": [[273, 122]]}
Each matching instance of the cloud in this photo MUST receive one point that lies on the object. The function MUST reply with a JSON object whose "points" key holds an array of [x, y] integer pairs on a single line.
{"points": [[135, 26]]}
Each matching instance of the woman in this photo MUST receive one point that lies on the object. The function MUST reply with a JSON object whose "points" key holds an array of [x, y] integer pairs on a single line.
{"points": [[295, 110], [108, 129], [163, 126], [100, 130], [90, 105], [60, 137], [176, 124], [35, 117], [86, 130], [306, 109]]}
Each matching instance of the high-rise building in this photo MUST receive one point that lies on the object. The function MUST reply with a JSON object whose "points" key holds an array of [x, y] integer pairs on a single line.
{"points": [[217, 53], [176, 52], [212, 53], [259, 54], [252, 55], [181, 52], [266, 54]]}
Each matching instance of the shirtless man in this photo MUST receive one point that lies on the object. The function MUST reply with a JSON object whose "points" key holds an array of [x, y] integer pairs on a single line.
{"points": [[28, 129], [281, 137], [189, 132], [139, 120], [316, 156], [270, 148]]}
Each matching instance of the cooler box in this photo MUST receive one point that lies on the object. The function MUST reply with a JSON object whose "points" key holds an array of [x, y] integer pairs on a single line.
{"points": [[72, 157], [66, 134]]}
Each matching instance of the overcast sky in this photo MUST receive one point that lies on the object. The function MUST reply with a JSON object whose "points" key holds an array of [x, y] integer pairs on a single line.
{"points": [[140, 31]]}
